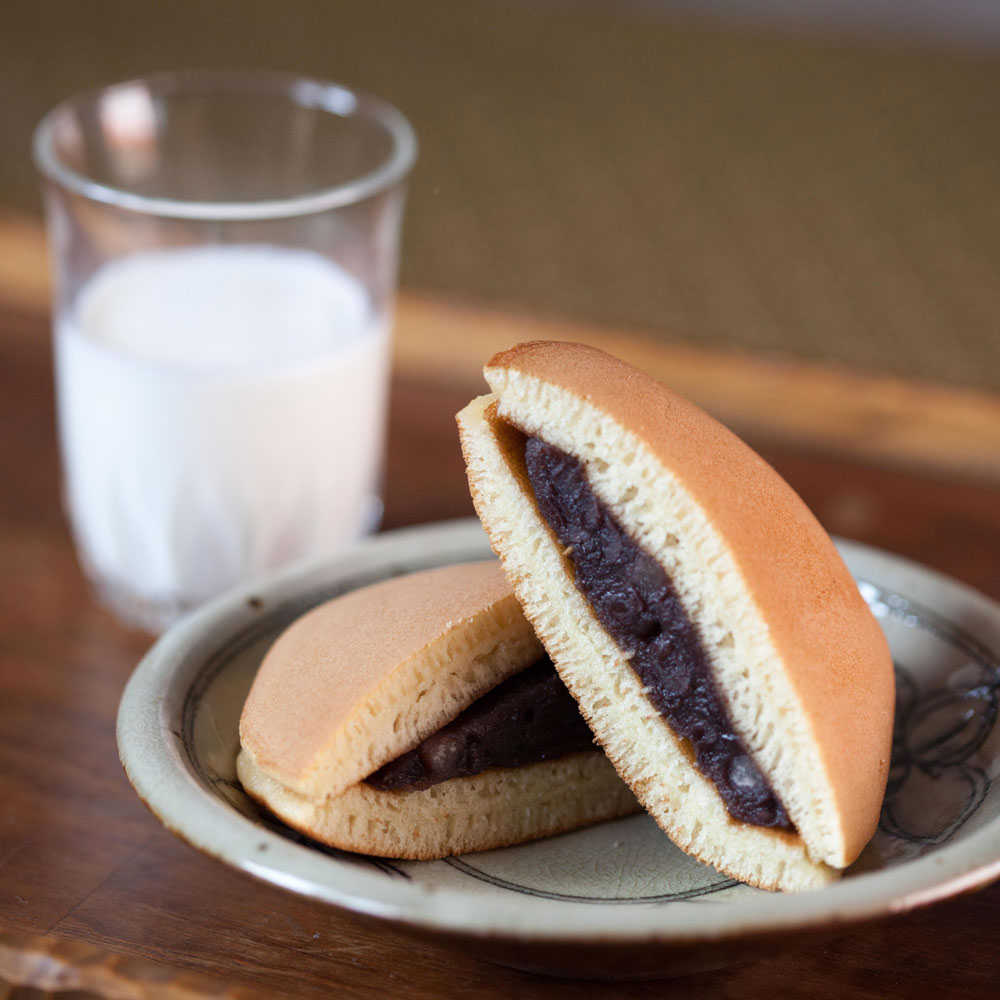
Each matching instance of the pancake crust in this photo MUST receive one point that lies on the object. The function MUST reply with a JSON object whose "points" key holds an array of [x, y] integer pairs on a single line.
{"points": [[804, 665], [361, 679]]}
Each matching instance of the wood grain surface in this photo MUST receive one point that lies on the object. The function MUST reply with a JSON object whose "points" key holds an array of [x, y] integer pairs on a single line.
{"points": [[93, 890]]}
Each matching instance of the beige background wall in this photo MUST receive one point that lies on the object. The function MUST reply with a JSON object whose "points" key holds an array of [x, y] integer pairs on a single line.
{"points": [[719, 183]]}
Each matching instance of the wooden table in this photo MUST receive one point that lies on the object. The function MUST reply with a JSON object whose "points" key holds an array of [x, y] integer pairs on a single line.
{"points": [[94, 894]]}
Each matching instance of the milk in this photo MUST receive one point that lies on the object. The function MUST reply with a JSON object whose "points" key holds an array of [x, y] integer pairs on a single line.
{"points": [[221, 412]]}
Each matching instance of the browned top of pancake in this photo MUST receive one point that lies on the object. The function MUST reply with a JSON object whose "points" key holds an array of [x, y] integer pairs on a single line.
{"points": [[832, 648], [328, 663]]}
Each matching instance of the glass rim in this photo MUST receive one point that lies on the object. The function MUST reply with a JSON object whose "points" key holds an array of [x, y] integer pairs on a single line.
{"points": [[308, 92]]}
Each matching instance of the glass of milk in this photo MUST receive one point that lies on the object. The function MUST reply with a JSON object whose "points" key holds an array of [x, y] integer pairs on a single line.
{"points": [[225, 252]]}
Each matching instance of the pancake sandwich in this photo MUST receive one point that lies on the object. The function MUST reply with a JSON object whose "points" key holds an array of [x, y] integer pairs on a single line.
{"points": [[418, 718], [694, 607]]}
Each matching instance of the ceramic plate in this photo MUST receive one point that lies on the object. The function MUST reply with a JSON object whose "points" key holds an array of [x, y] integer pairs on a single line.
{"points": [[617, 900]]}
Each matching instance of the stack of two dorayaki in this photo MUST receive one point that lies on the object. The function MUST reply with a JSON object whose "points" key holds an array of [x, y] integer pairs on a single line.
{"points": [[690, 643]]}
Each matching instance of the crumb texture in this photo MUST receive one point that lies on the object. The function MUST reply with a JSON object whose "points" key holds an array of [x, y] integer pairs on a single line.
{"points": [[802, 665], [496, 808]]}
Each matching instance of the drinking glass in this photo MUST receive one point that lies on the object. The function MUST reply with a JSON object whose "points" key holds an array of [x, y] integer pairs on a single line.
{"points": [[225, 249]]}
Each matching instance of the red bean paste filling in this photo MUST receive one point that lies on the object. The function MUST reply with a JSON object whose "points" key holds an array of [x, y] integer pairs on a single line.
{"points": [[528, 718], [634, 601]]}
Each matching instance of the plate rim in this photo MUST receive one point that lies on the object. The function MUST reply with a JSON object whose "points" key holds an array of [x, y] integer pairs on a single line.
{"points": [[151, 753]]}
